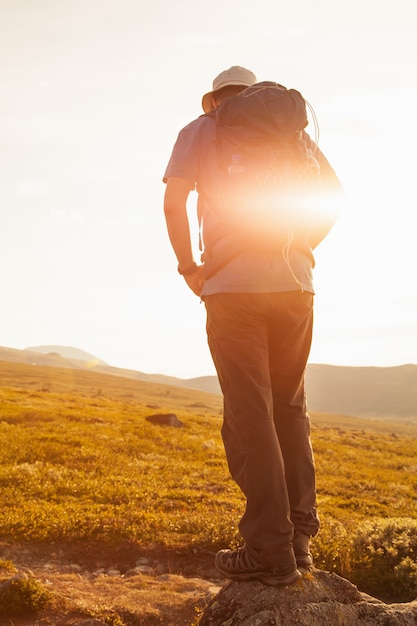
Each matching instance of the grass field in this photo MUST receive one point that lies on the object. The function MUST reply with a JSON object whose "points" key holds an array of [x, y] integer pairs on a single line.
{"points": [[80, 463]]}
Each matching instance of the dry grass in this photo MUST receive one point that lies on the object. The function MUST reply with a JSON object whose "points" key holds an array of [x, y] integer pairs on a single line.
{"points": [[86, 479]]}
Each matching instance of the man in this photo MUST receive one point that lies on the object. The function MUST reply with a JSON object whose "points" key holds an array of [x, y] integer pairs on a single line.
{"points": [[259, 303]]}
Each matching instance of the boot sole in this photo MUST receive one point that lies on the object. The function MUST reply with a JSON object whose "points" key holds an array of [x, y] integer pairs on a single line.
{"points": [[275, 581], [264, 577]]}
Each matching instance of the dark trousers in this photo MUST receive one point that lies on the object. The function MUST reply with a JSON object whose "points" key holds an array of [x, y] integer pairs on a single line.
{"points": [[260, 344]]}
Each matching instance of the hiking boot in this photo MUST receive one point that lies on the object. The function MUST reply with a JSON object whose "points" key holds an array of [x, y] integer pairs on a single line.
{"points": [[239, 565], [301, 545]]}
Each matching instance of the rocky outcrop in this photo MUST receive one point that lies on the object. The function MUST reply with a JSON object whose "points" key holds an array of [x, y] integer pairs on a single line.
{"points": [[165, 419], [318, 599]]}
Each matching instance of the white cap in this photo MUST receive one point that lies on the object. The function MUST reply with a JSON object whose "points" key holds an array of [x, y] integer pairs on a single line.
{"points": [[236, 75]]}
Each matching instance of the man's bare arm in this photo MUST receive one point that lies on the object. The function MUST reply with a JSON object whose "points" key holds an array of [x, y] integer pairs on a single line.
{"points": [[175, 209]]}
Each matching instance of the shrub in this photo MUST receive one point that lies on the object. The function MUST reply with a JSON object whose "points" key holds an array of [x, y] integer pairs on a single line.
{"points": [[22, 595], [379, 556], [332, 547], [384, 558], [6, 565]]}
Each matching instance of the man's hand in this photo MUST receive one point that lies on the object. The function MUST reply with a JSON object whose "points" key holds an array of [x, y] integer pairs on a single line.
{"points": [[195, 281]]}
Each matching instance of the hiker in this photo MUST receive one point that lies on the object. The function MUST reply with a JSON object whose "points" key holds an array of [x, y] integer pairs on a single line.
{"points": [[258, 293]]}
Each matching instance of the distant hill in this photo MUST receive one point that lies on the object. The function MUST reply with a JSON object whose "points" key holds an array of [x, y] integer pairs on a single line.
{"points": [[67, 352], [379, 392], [363, 391]]}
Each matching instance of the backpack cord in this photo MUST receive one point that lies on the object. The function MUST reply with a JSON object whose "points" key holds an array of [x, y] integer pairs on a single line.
{"points": [[286, 257], [315, 124]]}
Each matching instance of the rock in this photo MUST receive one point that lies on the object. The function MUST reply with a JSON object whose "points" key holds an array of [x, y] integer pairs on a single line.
{"points": [[73, 568], [7, 585], [318, 599], [77, 569], [132, 572], [91, 622], [165, 419], [99, 572], [113, 572], [144, 569]]}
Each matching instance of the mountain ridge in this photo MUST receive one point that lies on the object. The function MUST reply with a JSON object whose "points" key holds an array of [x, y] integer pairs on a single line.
{"points": [[363, 391]]}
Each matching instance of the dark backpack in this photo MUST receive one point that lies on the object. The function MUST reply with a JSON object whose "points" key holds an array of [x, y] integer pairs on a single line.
{"points": [[267, 168]]}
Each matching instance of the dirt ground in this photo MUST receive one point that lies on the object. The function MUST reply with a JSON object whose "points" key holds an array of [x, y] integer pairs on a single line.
{"points": [[119, 586]]}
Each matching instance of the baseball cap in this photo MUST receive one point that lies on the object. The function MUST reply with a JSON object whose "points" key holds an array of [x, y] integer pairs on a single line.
{"points": [[235, 75]]}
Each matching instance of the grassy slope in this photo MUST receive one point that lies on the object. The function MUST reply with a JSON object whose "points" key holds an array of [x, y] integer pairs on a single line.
{"points": [[80, 458], [81, 462]]}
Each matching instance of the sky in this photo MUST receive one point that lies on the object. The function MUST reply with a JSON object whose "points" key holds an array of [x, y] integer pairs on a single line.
{"points": [[92, 96]]}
